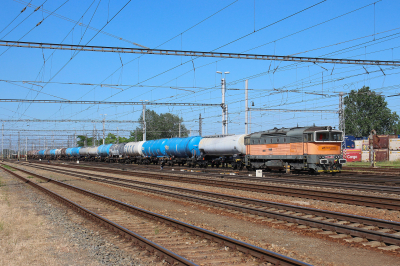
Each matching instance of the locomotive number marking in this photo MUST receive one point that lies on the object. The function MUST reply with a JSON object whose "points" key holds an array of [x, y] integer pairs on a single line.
{"points": [[330, 148]]}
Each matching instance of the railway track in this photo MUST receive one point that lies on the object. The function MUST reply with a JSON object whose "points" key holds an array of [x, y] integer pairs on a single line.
{"points": [[277, 177], [337, 225], [346, 177], [348, 198], [380, 184], [176, 242], [380, 170]]}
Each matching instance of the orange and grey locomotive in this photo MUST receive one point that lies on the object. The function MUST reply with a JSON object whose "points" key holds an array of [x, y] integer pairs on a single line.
{"points": [[312, 149]]}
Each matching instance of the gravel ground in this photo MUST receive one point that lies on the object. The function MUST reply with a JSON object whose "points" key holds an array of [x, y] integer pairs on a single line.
{"points": [[305, 246], [75, 241]]}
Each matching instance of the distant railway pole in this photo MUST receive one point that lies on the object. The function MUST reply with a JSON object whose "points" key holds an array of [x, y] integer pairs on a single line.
{"points": [[223, 90], [18, 147], [342, 125], [246, 102], [26, 149], [104, 128], [144, 119], [2, 143], [200, 125]]}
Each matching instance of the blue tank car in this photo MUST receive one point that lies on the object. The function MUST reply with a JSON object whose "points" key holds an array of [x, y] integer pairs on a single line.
{"points": [[104, 150], [41, 153], [75, 151], [53, 153], [183, 147], [146, 148], [68, 152]]}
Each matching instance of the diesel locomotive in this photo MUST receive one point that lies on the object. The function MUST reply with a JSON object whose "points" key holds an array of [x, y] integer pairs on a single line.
{"points": [[313, 149]]}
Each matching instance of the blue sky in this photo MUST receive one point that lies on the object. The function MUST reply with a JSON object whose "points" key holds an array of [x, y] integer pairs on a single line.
{"points": [[332, 28]]}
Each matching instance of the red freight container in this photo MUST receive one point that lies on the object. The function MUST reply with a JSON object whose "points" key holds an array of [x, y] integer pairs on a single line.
{"points": [[353, 155], [381, 155], [382, 141]]}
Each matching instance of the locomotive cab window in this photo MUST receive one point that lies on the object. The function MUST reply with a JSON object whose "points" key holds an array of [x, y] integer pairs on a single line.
{"points": [[308, 137], [322, 136], [335, 136], [329, 136]]}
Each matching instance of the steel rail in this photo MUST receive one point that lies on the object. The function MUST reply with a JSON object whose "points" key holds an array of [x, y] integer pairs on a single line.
{"points": [[348, 198], [246, 248], [216, 172], [161, 252], [299, 179], [58, 46], [354, 231]]}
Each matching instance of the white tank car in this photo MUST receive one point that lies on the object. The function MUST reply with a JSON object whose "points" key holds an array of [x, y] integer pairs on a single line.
{"points": [[93, 151], [228, 145], [58, 152], [84, 151], [133, 148]]}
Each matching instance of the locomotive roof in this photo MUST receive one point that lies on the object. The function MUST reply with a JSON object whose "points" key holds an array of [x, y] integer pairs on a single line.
{"points": [[294, 131]]}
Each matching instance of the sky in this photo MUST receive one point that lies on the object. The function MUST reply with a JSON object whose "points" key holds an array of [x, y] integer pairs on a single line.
{"points": [[311, 28]]}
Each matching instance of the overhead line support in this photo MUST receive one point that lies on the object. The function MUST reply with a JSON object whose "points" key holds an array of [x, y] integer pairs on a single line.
{"points": [[111, 103], [106, 49], [288, 110]]}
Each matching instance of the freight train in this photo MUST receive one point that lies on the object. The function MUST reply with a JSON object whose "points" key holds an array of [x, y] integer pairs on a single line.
{"points": [[313, 149]]}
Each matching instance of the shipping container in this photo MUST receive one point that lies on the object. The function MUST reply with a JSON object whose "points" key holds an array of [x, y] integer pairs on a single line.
{"points": [[365, 156], [381, 141], [365, 145], [381, 155], [349, 141], [394, 156], [353, 155], [394, 144], [357, 144]]}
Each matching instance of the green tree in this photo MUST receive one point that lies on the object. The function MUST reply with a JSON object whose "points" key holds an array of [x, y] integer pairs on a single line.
{"points": [[112, 139], [397, 129], [365, 110], [160, 126], [81, 141]]}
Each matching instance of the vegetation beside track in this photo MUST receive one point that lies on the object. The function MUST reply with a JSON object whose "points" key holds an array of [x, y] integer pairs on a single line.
{"points": [[395, 164], [8, 167]]}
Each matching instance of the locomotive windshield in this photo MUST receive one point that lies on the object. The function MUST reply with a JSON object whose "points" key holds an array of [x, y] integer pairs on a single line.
{"points": [[328, 136]]}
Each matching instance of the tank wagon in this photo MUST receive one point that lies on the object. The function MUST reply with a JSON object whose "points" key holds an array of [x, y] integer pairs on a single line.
{"points": [[313, 149], [221, 151], [174, 151], [133, 152]]}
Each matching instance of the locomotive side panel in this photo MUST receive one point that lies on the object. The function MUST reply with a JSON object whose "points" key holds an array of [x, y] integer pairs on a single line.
{"points": [[323, 149]]}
